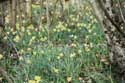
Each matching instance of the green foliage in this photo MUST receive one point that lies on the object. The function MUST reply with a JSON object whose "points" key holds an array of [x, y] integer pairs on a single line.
{"points": [[76, 51]]}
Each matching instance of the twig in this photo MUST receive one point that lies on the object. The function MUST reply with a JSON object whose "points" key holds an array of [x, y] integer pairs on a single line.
{"points": [[121, 12]]}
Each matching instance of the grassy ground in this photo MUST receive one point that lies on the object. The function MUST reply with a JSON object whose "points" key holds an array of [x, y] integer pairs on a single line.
{"points": [[75, 52]]}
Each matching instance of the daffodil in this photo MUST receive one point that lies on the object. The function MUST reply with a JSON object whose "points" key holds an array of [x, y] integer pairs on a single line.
{"points": [[31, 81], [7, 19], [29, 49], [73, 45], [11, 29], [85, 25], [72, 55], [78, 24], [17, 38], [61, 55], [30, 27], [42, 52], [29, 61], [56, 70], [80, 78], [43, 39], [75, 37], [7, 33], [71, 35], [34, 53], [42, 17], [5, 38], [54, 30], [90, 30], [87, 49], [69, 30], [33, 38], [69, 79], [21, 51], [1, 56], [94, 33], [37, 78], [79, 51], [28, 32], [1, 78], [20, 58]]}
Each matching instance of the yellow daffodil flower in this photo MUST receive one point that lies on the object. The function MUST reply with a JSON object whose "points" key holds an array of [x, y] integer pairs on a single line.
{"points": [[17, 38], [37, 78], [69, 79], [31, 81]]}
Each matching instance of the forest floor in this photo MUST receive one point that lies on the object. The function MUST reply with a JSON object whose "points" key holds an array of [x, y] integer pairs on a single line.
{"points": [[70, 52]]}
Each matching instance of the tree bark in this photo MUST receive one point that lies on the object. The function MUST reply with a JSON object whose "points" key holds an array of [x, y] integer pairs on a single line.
{"points": [[114, 32], [14, 3], [29, 9]]}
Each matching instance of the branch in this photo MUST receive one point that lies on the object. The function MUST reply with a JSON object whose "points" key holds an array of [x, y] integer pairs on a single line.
{"points": [[110, 19], [121, 12]]}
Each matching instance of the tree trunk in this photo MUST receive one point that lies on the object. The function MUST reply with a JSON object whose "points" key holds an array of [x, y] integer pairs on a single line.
{"points": [[29, 9], [3, 43], [113, 25], [48, 19], [14, 3]]}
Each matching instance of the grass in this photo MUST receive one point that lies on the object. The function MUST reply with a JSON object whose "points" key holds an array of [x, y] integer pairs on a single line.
{"points": [[76, 53]]}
